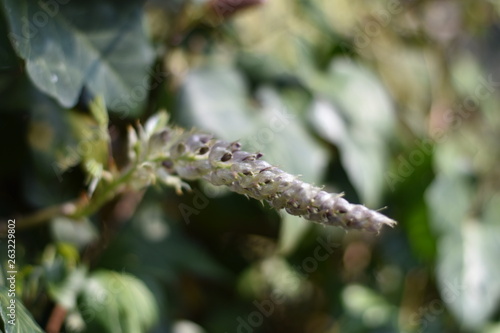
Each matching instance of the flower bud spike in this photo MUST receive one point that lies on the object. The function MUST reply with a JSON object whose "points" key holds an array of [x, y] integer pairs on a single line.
{"points": [[196, 155]]}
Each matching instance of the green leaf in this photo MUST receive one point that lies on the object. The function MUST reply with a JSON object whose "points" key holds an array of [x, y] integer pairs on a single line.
{"points": [[78, 233], [65, 292], [186, 326], [491, 213], [467, 75], [446, 192], [282, 136], [460, 154], [274, 130], [358, 299], [22, 321], [93, 140], [364, 101], [98, 110], [54, 147], [155, 123], [468, 249], [468, 272], [113, 302], [356, 114], [366, 163], [158, 236], [291, 232], [214, 99], [492, 328], [61, 274], [368, 306], [272, 273], [66, 51]]}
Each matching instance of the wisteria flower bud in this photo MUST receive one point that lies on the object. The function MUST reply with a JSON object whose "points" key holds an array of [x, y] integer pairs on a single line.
{"points": [[195, 155]]}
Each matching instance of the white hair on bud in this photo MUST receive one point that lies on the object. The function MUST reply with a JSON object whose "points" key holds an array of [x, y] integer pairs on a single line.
{"points": [[196, 155]]}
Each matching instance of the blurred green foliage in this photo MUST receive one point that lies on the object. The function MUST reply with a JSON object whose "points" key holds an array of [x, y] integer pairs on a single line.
{"points": [[393, 102]]}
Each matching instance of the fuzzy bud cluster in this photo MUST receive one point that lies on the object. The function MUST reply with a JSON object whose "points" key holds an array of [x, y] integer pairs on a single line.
{"points": [[194, 155]]}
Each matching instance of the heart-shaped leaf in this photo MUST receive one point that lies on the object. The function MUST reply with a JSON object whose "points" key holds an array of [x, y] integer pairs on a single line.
{"points": [[117, 303], [356, 114], [67, 46]]}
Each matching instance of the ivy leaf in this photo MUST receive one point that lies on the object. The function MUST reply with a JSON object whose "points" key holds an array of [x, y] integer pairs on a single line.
{"points": [[66, 51], [443, 193], [214, 99], [284, 139], [467, 268], [467, 272], [354, 112], [291, 233], [23, 322], [117, 303]]}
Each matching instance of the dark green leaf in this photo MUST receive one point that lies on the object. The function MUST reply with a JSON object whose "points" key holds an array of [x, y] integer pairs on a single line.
{"points": [[214, 99], [18, 320], [291, 232], [113, 302], [149, 235], [357, 116], [66, 51]]}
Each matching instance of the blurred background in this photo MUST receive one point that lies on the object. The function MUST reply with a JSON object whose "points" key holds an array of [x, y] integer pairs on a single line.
{"points": [[395, 103]]}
